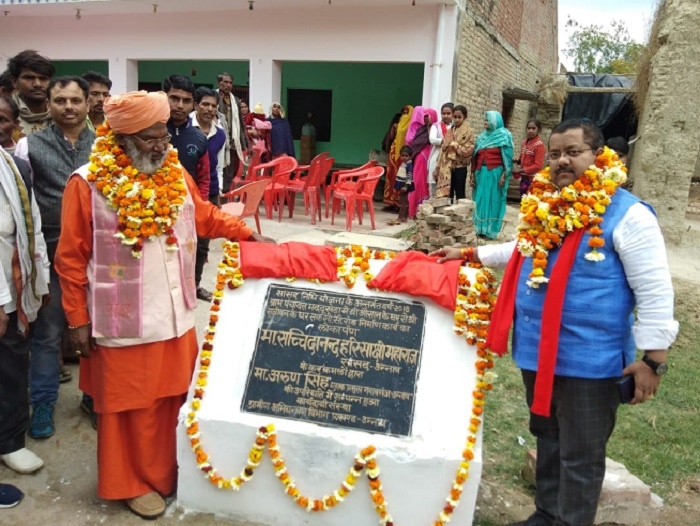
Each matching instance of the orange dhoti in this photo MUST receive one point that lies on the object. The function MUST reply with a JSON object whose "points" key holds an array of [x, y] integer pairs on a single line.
{"points": [[137, 392]]}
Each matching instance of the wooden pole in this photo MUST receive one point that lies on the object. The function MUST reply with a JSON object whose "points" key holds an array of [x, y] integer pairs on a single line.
{"points": [[577, 89]]}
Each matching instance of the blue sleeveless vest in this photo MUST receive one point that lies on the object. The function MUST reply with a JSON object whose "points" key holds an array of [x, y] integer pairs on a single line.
{"points": [[595, 340]]}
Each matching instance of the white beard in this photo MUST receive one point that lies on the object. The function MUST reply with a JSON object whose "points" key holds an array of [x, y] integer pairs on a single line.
{"points": [[142, 161]]}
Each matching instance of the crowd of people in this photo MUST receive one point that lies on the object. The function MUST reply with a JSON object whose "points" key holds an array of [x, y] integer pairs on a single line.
{"points": [[442, 153], [449, 161], [71, 159], [107, 205]]}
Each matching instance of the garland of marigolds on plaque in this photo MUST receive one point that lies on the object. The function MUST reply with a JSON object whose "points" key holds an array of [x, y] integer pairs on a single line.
{"points": [[475, 301]]}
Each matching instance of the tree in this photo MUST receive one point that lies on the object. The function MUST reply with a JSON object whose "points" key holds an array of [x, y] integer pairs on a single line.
{"points": [[595, 49]]}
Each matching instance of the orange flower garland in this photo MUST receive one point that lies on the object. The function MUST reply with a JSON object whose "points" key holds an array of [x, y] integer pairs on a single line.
{"points": [[147, 206], [472, 315], [548, 213], [359, 257], [475, 302]]}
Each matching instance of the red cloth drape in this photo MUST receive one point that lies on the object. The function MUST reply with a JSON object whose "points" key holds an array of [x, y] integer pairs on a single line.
{"points": [[502, 318], [293, 259], [420, 275]]}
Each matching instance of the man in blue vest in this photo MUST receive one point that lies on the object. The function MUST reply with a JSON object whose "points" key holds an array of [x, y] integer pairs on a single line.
{"points": [[572, 306]]}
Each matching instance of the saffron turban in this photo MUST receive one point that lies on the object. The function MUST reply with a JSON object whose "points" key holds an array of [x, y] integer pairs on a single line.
{"points": [[137, 110]]}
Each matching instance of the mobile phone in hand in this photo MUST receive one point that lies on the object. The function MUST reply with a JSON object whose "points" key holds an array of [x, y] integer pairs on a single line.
{"points": [[626, 387]]}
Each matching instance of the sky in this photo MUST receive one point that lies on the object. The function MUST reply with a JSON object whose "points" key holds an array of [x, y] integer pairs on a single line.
{"points": [[637, 14]]}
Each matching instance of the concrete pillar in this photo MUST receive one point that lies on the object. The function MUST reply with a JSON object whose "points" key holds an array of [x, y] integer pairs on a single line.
{"points": [[265, 82], [437, 81], [669, 144], [124, 74]]}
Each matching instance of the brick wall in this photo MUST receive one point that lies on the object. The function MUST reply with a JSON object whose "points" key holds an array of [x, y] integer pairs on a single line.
{"points": [[504, 44]]}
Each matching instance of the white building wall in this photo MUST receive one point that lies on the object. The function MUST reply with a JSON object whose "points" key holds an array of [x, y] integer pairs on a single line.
{"points": [[264, 38]]}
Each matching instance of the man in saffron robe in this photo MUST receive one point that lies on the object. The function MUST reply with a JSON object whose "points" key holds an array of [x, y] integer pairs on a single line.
{"points": [[573, 310], [129, 298]]}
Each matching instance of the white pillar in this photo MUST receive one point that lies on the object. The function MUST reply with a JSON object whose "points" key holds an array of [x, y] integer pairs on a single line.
{"points": [[124, 74], [444, 69], [441, 71], [265, 82]]}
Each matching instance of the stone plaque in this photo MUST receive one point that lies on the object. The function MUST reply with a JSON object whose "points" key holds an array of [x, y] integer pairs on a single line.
{"points": [[338, 359]]}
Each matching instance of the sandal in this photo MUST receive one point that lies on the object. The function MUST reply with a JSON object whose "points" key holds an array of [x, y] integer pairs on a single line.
{"points": [[393, 222], [64, 375]]}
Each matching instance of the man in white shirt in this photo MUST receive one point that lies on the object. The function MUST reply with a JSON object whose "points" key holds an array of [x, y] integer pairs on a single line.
{"points": [[606, 257], [230, 108], [23, 254], [204, 117]]}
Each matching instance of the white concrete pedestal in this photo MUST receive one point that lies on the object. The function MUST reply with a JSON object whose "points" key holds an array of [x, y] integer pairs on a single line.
{"points": [[416, 471]]}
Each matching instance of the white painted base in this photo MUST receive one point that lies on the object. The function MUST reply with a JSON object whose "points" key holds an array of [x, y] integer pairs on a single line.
{"points": [[416, 472]]}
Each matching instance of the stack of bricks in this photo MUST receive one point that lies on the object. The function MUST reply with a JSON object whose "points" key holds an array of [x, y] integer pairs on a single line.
{"points": [[441, 224]]}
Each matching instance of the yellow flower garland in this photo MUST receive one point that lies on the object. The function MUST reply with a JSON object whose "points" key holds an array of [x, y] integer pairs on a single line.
{"points": [[147, 206], [548, 213], [472, 315]]}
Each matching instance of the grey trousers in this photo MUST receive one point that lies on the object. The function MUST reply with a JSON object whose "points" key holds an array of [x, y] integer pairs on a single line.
{"points": [[571, 447]]}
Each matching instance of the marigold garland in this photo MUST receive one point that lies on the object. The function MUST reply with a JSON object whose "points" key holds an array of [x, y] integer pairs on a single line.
{"points": [[472, 315], [548, 213], [147, 206]]}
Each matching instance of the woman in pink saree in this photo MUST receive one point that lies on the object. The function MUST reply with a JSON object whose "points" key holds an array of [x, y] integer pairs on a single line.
{"points": [[418, 138]]}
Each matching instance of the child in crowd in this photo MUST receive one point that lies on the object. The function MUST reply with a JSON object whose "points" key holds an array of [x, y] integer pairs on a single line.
{"points": [[622, 148], [404, 184], [531, 158]]}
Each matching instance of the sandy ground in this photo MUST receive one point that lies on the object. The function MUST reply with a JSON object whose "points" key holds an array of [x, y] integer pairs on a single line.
{"points": [[63, 492]]}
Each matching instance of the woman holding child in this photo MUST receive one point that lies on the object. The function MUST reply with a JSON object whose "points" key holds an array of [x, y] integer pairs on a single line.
{"points": [[418, 138]]}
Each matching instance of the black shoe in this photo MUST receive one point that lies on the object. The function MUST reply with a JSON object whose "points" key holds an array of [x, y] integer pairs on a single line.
{"points": [[203, 294], [64, 375], [88, 406], [9, 496], [536, 519]]}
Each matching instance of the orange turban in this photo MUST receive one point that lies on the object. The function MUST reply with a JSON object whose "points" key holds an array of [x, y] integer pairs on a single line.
{"points": [[137, 110]]}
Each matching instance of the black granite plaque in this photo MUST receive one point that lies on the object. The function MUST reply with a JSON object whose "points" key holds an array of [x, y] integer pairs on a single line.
{"points": [[338, 359]]}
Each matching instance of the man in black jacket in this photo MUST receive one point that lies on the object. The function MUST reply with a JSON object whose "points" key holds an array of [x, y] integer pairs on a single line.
{"points": [[191, 143]]}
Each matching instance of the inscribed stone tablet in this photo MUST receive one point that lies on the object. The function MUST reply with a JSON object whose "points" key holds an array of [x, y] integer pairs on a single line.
{"points": [[338, 359]]}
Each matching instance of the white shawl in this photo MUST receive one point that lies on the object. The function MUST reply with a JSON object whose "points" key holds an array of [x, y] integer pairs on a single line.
{"points": [[31, 292]]}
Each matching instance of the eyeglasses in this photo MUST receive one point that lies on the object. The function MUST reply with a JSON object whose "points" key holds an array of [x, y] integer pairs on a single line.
{"points": [[570, 153], [165, 140]]}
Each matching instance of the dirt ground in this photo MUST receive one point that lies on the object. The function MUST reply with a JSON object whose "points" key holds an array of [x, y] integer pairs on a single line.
{"points": [[63, 492]]}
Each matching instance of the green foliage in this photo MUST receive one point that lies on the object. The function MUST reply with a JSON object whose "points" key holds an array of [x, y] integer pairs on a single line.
{"points": [[598, 50]]}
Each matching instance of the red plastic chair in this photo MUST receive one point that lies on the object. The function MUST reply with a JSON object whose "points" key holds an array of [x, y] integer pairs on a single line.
{"points": [[332, 186], [250, 195], [278, 172], [246, 175], [355, 189], [309, 186]]}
